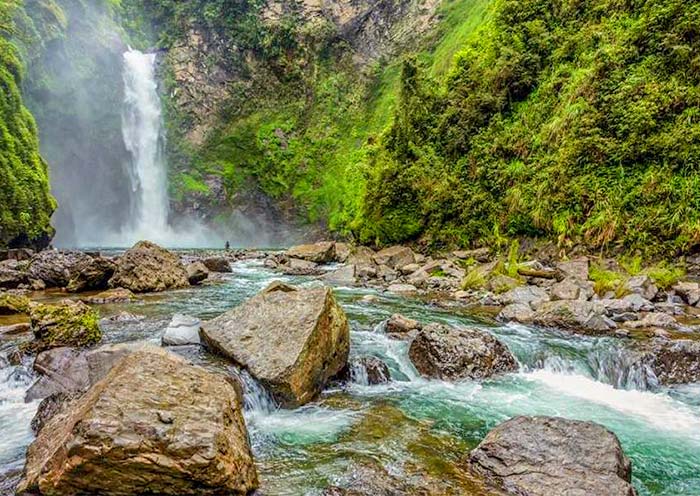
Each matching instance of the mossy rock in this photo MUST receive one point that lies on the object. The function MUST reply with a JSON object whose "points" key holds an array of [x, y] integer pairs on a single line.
{"points": [[11, 304], [70, 323]]}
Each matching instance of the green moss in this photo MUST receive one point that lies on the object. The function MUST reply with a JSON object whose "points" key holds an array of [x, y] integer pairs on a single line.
{"points": [[605, 281], [25, 202], [12, 304], [68, 324]]}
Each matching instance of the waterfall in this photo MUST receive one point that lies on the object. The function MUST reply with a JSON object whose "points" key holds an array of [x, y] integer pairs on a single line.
{"points": [[142, 131]]}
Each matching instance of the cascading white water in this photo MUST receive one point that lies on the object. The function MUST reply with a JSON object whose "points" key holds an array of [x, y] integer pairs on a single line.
{"points": [[141, 127]]}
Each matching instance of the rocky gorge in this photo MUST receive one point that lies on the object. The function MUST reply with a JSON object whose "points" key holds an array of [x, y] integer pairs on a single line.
{"points": [[306, 360]]}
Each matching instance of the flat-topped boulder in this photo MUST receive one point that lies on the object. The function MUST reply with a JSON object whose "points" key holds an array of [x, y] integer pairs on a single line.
{"points": [[149, 268], [548, 456], [68, 323], [322, 252], [154, 424], [292, 340], [443, 352]]}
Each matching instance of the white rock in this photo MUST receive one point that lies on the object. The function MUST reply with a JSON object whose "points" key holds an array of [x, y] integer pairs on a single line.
{"points": [[182, 330]]}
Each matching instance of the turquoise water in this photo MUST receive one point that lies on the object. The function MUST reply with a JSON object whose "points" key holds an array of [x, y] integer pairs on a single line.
{"points": [[412, 429]]}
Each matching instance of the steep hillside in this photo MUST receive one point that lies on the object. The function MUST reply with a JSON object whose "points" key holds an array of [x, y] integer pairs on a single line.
{"points": [[25, 203]]}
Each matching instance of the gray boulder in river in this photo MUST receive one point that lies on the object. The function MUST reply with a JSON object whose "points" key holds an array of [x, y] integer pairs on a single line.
{"points": [[155, 424], [549, 456], [147, 267], [443, 352], [292, 340]]}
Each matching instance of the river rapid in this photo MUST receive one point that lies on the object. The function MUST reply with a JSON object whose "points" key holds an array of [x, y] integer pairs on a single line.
{"points": [[409, 429]]}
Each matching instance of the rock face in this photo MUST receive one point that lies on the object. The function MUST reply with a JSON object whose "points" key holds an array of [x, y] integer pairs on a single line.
{"points": [[182, 330], [70, 323], [293, 342], [323, 252], [154, 424], [148, 267], [546, 456], [447, 353]]}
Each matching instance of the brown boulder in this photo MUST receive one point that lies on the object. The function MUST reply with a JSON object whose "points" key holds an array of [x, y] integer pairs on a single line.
{"points": [[322, 252], [395, 257], [155, 424], [69, 323], [147, 267], [197, 272], [217, 264], [293, 342]]}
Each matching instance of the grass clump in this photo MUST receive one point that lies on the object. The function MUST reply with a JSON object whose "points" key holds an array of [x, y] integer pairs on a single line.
{"points": [[665, 275], [474, 279], [606, 281]]}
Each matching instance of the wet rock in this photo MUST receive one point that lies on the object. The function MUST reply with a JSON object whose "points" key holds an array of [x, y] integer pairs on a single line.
{"points": [[323, 252], [63, 370], [155, 422], [196, 273], [398, 326], [57, 268], [547, 456], [182, 330], [111, 296], [395, 257], [69, 323], [217, 264], [673, 361], [402, 289], [572, 289], [15, 329], [447, 353], [517, 312], [11, 304], [147, 267], [576, 269], [574, 315], [369, 370], [344, 276], [642, 285], [12, 274], [123, 317], [48, 408], [293, 342], [91, 274], [527, 295], [689, 291], [299, 267]]}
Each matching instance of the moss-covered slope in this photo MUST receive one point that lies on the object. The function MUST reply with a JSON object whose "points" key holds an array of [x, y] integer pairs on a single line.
{"points": [[25, 202]]}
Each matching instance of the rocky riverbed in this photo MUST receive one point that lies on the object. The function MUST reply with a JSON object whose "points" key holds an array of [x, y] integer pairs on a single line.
{"points": [[433, 365]]}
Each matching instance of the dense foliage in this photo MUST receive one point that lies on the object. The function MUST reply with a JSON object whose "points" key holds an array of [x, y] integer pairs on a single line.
{"points": [[575, 120], [25, 203]]}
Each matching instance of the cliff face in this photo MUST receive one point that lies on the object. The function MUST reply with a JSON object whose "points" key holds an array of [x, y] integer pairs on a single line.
{"points": [[25, 202]]}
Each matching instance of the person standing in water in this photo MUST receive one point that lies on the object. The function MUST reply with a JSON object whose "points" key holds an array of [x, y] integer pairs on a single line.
{"points": [[228, 245]]}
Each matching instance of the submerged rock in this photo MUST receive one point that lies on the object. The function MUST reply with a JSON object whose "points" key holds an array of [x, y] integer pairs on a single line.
{"points": [[443, 352], [182, 330], [69, 323], [148, 267], [197, 272], [217, 264], [322, 252], [293, 342], [368, 371], [155, 423], [548, 456]]}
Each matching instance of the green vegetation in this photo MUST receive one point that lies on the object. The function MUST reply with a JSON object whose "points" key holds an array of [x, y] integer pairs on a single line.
{"points": [[25, 203], [575, 121], [67, 324]]}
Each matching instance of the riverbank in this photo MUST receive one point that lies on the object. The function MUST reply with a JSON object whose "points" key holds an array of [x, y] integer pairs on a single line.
{"points": [[343, 439]]}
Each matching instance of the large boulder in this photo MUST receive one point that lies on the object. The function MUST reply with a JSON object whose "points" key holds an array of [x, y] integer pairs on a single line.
{"points": [[62, 370], [69, 323], [291, 340], [147, 267], [577, 268], [443, 352], [322, 252], [395, 257], [57, 268], [547, 456], [217, 264], [197, 272], [155, 424], [91, 274], [12, 274]]}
